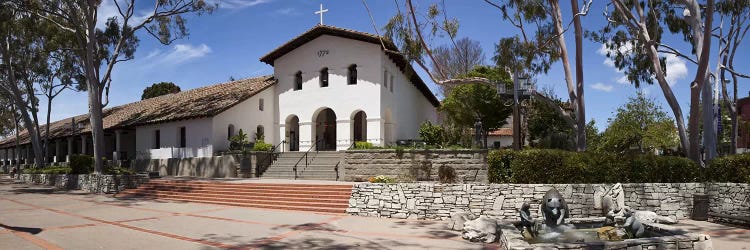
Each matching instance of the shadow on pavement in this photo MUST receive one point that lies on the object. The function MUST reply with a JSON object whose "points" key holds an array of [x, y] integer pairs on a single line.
{"points": [[31, 230]]}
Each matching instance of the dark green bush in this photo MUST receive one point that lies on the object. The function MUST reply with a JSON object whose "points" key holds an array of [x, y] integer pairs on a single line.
{"points": [[558, 166], [499, 165], [730, 168], [81, 164], [48, 170]]}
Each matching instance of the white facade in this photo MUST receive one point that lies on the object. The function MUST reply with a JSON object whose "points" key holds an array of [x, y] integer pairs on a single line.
{"points": [[382, 107]]}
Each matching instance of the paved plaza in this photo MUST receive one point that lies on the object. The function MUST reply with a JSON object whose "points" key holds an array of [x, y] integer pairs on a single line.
{"points": [[37, 217]]}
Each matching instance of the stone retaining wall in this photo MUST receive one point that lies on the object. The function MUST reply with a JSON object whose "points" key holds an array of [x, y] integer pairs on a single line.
{"points": [[438, 201], [91, 183], [225, 166], [415, 164]]}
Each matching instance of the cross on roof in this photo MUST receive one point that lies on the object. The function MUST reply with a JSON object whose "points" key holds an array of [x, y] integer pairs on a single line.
{"points": [[321, 11]]}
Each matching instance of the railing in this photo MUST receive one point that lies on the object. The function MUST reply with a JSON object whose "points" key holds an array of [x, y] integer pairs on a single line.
{"points": [[336, 168], [259, 170], [307, 161]]}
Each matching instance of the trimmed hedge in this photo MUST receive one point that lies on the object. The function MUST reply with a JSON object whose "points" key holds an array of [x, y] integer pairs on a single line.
{"points": [[731, 168], [81, 164], [558, 166], [48, 170]]}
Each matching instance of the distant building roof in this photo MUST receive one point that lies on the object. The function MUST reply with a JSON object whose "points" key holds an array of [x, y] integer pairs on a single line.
{"points": [[501, 132], [195, 103], [390, 49]]}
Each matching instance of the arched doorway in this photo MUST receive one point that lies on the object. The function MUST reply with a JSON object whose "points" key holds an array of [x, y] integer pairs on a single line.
{"points": [[359, 126], [292, 132], [325, 130]]}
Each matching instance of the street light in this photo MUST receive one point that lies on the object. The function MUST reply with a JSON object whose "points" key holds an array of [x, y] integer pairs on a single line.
{"points": [[522, 88]]}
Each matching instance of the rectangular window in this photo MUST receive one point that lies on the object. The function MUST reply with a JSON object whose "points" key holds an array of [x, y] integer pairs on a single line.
{"points": [[385, 79], [392, 82], [157, 139], [183, 137], [260, 104]]}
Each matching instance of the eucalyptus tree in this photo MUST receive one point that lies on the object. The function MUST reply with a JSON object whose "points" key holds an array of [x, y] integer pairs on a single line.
{"points": [[99, 50], [540, 44], [633, 35]]}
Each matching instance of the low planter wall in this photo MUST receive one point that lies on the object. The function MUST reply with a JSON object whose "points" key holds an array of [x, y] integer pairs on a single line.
{"points": [[438, 201], [225, 166], [88, 182], [415, 164]]}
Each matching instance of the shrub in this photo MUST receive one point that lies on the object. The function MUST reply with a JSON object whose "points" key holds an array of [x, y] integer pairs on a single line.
{"points": [[381, 179], [261, 145], [730, 168], [499, 165], [557, 166], [119, 171], [81, 164], [48, 170], [238, 141], [447, 174], [431, 134], [363, 145]]}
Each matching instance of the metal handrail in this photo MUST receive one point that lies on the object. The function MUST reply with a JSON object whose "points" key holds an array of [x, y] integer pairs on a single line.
{"points": [[270, 154], [336, 168], [307, 162]]}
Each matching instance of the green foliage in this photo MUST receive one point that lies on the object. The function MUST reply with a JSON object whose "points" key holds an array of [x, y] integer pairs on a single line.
{"points": [[468, 102], [431, 134], [363, 145], [381, 179], [160, 89], [730, 168], [118, 171], [546, 128], [261, 145], [81, 164], [639, 124], [558, 166], [238, 141], [48, 170], [499, 165]]}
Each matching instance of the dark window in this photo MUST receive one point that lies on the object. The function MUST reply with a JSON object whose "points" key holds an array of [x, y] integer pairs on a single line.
{"points": [[230, 131], [260, 133], [157, 139], [352, 80], [183, 137], [385, 79], [298, 80], [392, 82], [324, 77], [260, 104]]}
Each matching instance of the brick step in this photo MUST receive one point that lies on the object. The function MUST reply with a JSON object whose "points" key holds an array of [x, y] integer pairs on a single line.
{"points": [[303, 198], [251, 185], [254, 192], [240, 204], [248, 189], [338, 204]]}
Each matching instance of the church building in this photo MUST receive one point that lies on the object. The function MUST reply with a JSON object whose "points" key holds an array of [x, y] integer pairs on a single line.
{"points": [[331, 87]]}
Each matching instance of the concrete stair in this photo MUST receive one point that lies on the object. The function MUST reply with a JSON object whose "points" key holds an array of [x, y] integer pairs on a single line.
{"points": [[322, 166], [287, 196]]}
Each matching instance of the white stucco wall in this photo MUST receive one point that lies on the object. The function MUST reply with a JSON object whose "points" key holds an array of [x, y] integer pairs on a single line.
{"points": [[246, 115], [199, 134], [408, 106], [342, 98]]}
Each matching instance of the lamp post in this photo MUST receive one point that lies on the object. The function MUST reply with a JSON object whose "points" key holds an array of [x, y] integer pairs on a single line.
{"points": [[521, 86], [478, 132]]}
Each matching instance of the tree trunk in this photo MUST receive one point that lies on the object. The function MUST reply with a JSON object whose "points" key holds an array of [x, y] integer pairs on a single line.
{"points": [[702, 44], [49, 113], [565, 59], [580, 105]]}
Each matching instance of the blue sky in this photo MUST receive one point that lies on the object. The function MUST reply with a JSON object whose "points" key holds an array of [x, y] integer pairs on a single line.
{"points": [[230, 41]]}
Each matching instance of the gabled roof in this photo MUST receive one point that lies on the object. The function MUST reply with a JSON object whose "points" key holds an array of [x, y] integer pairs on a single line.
{"points": [[191, 104], [390, 50]]}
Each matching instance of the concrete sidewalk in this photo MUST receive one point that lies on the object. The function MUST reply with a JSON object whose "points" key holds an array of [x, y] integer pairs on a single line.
{"points": [[35, 217], [723, 236]]}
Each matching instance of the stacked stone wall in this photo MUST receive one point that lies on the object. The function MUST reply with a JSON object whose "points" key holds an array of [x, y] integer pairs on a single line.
{"points": [[438, 201], [415, 164], [91, 183]]}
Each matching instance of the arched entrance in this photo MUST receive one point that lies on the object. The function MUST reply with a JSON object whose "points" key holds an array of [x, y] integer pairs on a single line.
{"points": [[325, 130], [359, 126], [292, 132]]}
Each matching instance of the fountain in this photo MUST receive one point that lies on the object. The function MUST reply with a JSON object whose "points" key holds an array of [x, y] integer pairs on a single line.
{"points": [[620, 228]]}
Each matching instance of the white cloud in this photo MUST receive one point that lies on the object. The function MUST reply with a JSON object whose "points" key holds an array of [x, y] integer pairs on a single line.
{"points": [[676, 69], [178, 54], [287, 12], [239, 4], [108, 9], [623, 80], [602, 87]]}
